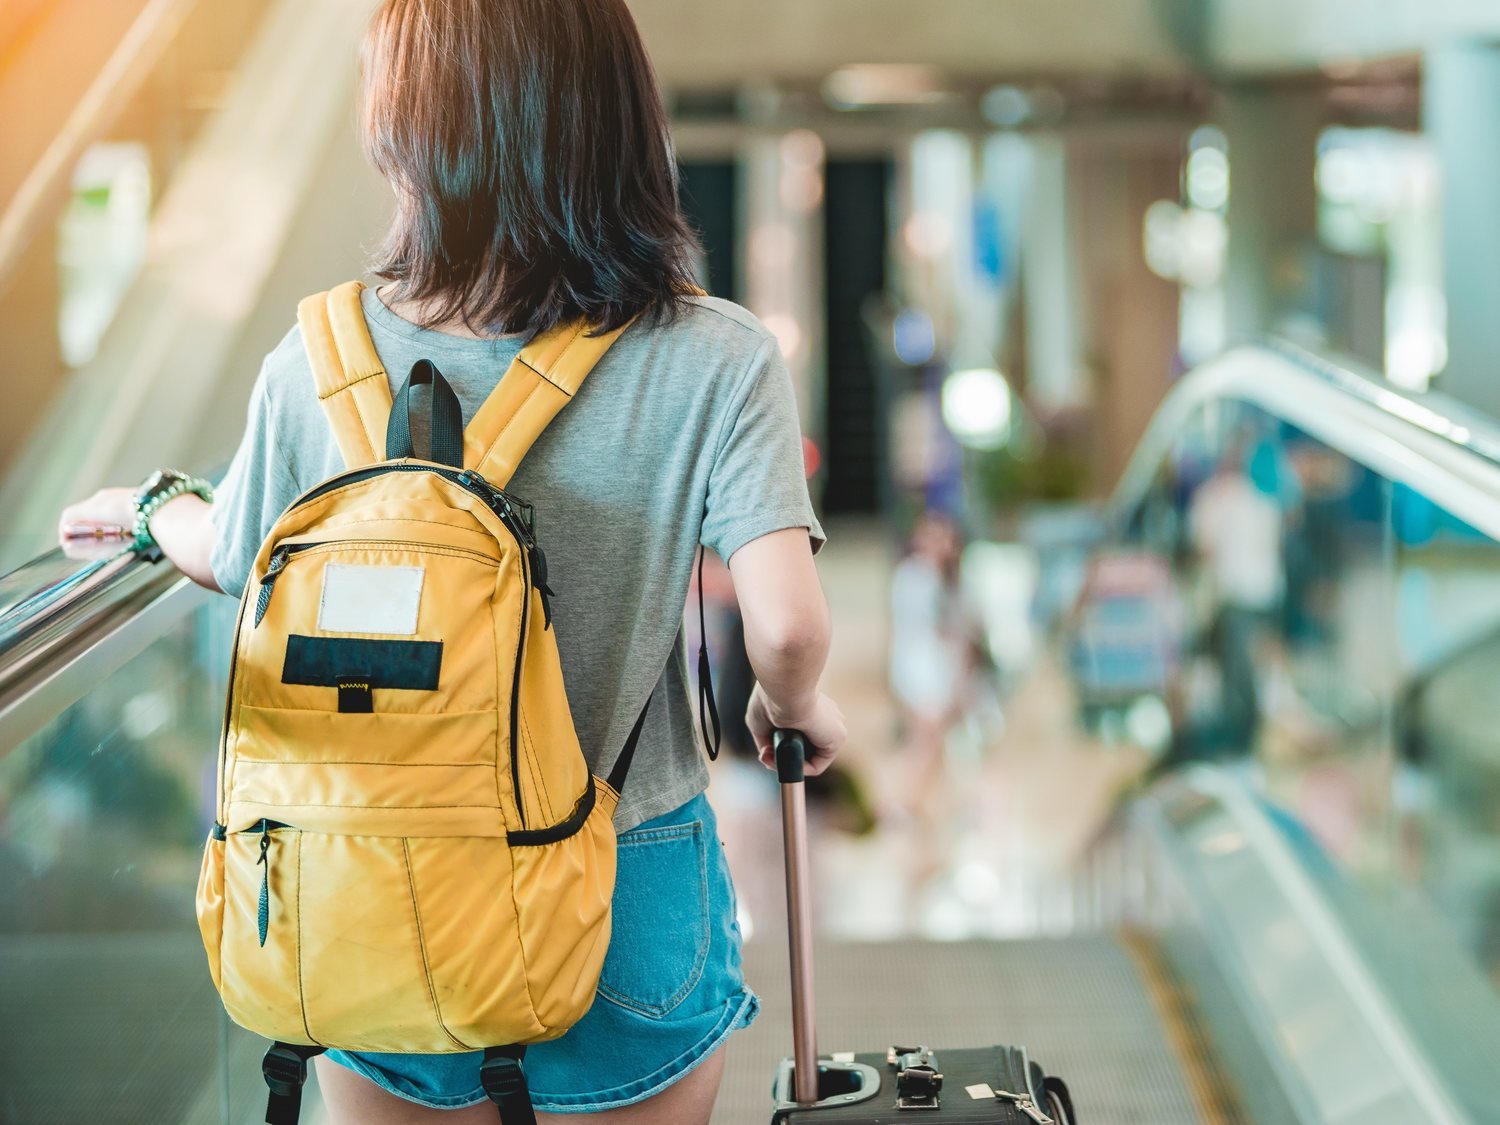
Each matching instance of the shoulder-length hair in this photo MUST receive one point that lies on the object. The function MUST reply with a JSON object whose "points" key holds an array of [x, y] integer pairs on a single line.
{"points": [[527, 144]]}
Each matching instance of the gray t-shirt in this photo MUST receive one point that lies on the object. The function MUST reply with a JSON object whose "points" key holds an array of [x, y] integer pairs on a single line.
{"points": [[682, 432]]}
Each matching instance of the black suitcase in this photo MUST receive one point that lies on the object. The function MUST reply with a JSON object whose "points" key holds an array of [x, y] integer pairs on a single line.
{"points": [[907, 1082]]}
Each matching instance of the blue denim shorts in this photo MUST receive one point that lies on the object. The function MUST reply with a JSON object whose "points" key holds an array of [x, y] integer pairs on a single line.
{"points": [[670, 993]]}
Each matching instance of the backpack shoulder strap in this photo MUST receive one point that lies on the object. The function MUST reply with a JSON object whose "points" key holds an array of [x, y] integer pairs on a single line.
{"points": [[350, 378], [541, 380]]}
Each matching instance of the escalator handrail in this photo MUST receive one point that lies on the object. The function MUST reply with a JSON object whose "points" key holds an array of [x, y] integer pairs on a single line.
{"points": [[43, 600], [1433, 411], [62, 638], [1439, 447]]}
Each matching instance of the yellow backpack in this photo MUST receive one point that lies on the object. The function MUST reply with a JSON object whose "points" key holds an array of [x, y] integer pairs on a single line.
{"points": [[410, 853]]}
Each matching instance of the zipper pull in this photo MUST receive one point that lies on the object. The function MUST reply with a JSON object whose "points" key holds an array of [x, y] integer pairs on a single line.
{"points": [[519, 525], [528, 517], [1024, 1103], [497, 502], [275, 567], [539, 580], [493, 498], [263, 910]]}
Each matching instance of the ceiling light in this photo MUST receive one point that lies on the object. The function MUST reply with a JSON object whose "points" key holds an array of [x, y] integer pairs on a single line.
{"points": [[864, 85]]}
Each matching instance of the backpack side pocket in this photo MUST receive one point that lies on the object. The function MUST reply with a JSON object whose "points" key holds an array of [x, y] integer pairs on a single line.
{"points": [[210, 902]]}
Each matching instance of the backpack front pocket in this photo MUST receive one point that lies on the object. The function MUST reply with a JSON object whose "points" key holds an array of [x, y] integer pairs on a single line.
{"points": [[325, 633], [325, 941], [365, 981], [260, 980]]}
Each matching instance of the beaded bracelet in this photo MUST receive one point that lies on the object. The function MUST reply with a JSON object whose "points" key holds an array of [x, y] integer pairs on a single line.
{"points": [[145, 509]]}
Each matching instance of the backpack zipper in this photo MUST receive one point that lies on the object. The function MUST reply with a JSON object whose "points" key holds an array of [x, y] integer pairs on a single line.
{"points": [[519, 518], [283, 554], [515, 697], [279, 558], [522, 525], [263, 907], [518, 515]]}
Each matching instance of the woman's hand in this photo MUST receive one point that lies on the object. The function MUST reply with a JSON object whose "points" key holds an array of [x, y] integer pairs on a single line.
{"points": [[181, 527], [108, 513], [821, 723]]}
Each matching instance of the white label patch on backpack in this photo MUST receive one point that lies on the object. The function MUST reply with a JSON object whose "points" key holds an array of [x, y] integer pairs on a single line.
{"points": [[370, 599]]}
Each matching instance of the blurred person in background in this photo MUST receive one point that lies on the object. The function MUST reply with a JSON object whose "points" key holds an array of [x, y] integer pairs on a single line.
{"points": [[1235, 528], [554, 201], [935, 658]]}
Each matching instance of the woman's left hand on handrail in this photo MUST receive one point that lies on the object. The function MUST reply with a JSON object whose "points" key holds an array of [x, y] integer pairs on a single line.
{"points": [[182, 528]]}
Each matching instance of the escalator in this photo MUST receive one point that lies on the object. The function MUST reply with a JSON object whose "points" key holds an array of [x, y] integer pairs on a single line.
{"points": [[78, 77], [1288, 918], [255, 194], [1320, 874]]}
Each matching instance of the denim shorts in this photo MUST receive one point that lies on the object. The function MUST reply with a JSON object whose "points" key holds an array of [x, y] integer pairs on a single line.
{"points": [[670, 993]]}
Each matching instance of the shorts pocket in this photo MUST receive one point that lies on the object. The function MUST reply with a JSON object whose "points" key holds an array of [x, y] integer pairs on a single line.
{"points": [[659, 943]]}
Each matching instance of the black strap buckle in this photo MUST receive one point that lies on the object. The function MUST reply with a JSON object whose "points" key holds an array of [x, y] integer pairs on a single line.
{"points": [[285, 1070], [504, 1083], [502, 1078]]}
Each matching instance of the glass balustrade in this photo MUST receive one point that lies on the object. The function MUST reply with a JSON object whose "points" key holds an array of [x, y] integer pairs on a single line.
{"points": [[110, 1012], [1331, 637]]}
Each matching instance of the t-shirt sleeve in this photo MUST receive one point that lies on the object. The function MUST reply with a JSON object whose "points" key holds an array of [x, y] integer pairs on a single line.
{"points": [[255, 491], [758, 483]]}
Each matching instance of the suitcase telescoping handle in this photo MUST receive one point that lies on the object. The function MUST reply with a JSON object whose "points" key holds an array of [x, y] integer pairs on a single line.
{"points": [[791, 755]]}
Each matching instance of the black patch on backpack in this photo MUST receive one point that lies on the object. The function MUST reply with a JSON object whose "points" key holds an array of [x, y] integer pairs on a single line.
{"points": [[356, 667]]}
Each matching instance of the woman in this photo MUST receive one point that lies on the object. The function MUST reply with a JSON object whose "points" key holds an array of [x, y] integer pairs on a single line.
{"points": [[935, 639], [527, 146]]}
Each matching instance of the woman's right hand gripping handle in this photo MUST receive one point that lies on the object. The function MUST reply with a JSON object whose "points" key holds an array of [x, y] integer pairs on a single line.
{"points": [[787, 634]]}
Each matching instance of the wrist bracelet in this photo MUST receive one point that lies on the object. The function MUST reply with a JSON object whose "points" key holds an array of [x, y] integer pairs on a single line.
{"points": [[145, 509]]}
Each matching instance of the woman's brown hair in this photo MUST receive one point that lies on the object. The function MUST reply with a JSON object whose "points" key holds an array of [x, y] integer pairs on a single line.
{"points": [[527, 144]]}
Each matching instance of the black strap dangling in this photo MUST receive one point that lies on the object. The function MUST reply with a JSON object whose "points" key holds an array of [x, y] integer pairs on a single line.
{"points": [[285, 1070], [622, 763], [708, 708], [504, 1083]]}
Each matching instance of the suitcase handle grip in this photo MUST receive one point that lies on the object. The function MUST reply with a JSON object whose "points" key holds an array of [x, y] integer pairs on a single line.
{"points": [[791, 749], [791, 756]]}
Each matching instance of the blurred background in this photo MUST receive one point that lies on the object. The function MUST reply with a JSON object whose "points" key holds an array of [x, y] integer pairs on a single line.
{"points": [[1146, 353]]}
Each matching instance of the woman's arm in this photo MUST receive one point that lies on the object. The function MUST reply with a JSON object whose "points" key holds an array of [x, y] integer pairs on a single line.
{"points": [[787, 633], [181, 527]]}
